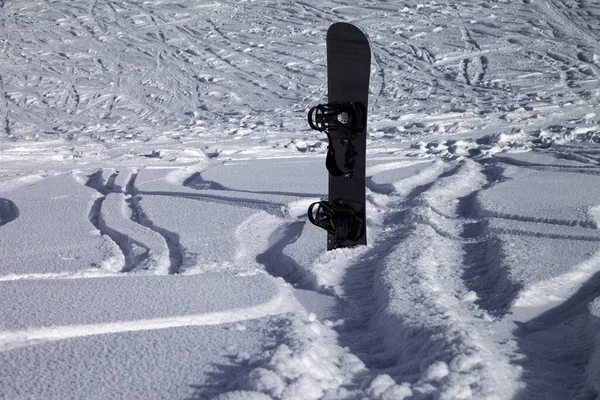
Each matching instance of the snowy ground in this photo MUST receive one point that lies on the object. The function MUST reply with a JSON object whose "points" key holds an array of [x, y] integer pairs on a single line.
{"points": [[156, 168]]}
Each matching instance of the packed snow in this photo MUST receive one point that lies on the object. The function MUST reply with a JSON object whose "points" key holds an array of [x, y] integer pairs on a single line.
{"points": [[156, 168]]}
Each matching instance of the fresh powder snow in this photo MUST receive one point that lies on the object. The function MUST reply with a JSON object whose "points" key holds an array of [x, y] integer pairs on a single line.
{"points": [[156, 167]]}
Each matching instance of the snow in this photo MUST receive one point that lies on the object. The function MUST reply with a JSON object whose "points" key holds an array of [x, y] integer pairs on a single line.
{"points": [[156, 168]]}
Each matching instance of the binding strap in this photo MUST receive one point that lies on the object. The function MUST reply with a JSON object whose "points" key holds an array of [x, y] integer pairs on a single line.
{"points": [[339, 221], [348, 118]]}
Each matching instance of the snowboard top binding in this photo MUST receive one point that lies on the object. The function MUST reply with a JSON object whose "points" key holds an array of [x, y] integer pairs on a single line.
{"points": [[345, 120], [349, 116]]}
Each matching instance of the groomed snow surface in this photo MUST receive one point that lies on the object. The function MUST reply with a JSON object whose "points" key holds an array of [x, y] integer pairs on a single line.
{"points": [[156, 167]]}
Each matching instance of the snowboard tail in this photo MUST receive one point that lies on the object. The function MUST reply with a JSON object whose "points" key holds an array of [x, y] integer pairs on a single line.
{"points": [[344, 121]]}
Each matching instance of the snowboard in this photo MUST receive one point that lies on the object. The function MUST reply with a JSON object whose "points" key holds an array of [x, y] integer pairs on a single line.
{"points": [[344, 120]]}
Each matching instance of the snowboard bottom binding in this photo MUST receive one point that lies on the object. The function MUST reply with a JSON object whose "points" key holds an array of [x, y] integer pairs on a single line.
{"points": [[338, 220]]}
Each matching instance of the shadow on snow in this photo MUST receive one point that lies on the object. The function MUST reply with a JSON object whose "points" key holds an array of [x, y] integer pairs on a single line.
{"points": [[557, 347], [8, 211]]}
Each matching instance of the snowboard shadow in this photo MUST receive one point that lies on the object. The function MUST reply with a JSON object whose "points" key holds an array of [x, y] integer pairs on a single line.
{"points": [[268, 206], [224, 378], [196, 182]]}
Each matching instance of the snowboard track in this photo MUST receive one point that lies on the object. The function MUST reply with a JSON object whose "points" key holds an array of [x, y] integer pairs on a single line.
{"points": [[484, 273], [360, 305], [129, 245], [365, 334], [195, 181], [274, 260]]}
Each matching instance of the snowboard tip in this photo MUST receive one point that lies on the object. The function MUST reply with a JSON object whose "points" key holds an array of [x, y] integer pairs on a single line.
{"points": [[346, 29]]}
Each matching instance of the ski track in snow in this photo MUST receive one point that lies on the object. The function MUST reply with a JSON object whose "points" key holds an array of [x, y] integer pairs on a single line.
{"points": [[188, 120], [9, 340], [426, 59], [402, 278], [112, 214]]}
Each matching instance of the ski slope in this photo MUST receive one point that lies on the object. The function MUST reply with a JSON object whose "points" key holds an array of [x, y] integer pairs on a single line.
{"points": [[156, 167]]}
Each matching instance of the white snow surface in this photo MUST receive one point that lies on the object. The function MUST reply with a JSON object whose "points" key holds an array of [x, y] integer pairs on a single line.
{"points": [[156, 168]]}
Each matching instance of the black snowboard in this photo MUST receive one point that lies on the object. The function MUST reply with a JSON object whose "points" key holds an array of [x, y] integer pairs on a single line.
{"points": [[344, 119]]}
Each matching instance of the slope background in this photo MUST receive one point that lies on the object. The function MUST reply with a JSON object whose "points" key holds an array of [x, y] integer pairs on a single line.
{"points": [[156, 166]]}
